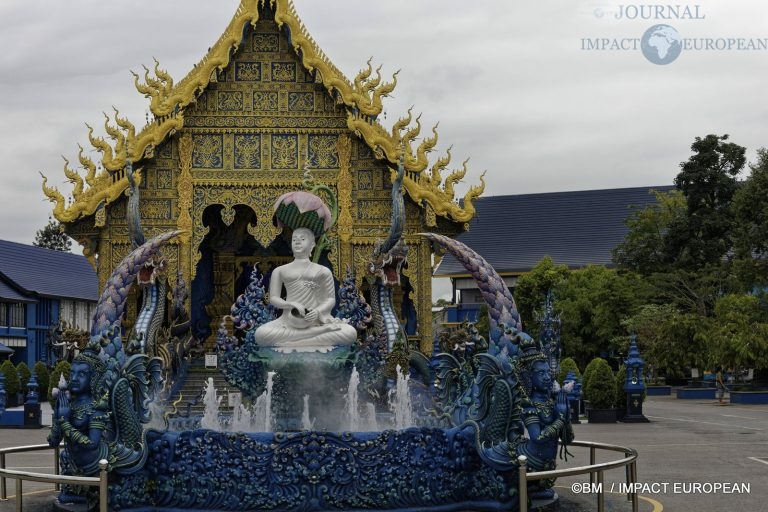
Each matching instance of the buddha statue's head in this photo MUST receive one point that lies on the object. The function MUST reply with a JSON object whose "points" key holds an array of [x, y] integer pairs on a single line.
{"points": [[302, 242]]}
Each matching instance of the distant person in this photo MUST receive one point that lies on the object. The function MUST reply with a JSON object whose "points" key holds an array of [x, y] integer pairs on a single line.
{"points": [[719, 385]]}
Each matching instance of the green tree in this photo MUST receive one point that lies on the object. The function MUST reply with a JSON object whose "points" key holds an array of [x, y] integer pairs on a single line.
{"points": [[532, 287], [593, 301], [53, 237], [738, 334], [708, 182], [669, 339], [43, 378], [750, 206], [643, 247]]}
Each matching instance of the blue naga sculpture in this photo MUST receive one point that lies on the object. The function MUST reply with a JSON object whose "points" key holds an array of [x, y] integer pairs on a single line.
{"points": [[99, 415], [515, 375]]}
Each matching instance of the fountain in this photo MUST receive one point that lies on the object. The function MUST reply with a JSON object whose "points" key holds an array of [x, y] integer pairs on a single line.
{"points": [[400, 401], [352, 409], [305, 444], [212, 402]]}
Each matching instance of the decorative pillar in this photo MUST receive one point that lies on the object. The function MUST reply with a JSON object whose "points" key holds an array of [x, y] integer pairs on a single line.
{"points": [[634, 385], [574, 395], [32, 416], [344, 190], [184, 220]]}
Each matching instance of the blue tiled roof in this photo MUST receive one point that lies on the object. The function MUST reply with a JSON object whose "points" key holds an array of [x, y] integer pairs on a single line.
{"points": [[513, 233], [9, 294], [48, 273]]}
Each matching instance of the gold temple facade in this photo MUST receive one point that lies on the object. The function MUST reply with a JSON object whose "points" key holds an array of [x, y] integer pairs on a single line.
{"points": [[264, 105]]}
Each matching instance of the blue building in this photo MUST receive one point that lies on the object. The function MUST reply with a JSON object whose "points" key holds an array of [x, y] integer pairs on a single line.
{"points": [[39, 287], [514, 232]]}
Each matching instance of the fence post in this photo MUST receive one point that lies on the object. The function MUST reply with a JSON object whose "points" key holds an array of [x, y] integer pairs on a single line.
{"points": [[18, 495], [628, 471], [522, 482], [633, 472], [103, 501], [56, 468], [3, 490], [600, 495]]}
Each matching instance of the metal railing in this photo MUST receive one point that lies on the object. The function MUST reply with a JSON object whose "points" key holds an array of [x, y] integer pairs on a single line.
{"points": [[595, 470], [54, 478]]}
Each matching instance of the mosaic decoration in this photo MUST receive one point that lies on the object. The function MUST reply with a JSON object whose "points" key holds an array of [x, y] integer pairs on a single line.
{"points": [[247, 153], [322, 151], [229, 101], [266, 101], [285, 151], [370, 210], [283, 71], [266, 43], [301, 101], [247, 71], [365, 180], [164, 179], [158, 209], [207, 151]]}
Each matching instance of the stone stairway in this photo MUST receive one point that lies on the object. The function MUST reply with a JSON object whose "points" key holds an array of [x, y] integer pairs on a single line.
{"points": [[193, 390]]}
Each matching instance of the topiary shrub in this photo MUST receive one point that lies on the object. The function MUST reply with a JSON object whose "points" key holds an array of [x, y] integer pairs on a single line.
{"points": [[601, 387], [11, 379], [24, 374], [61, 368], [43, 378], [590, 368], [566, 365]]}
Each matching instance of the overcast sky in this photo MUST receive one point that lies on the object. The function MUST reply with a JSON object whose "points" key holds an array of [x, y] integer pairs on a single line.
{"points": [[507, 80]]}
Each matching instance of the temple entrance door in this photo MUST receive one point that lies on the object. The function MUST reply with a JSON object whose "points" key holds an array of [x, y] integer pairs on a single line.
{"points": [[218, 273]]}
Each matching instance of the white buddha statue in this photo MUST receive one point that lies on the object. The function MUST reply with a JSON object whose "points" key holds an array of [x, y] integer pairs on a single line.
{"points": [[306, 324]]}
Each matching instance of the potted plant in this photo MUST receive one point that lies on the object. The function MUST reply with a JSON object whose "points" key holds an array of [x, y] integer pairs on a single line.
{"points": [[11, 383], [600, 391], [589, 370], [43, 377], [24, 375]]}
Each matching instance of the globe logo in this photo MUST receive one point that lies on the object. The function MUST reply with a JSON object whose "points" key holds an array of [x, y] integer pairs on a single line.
{"points": [[661, 44]]}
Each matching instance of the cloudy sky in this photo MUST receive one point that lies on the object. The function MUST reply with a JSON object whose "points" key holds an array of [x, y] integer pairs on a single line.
{"points": [[508, 81]]}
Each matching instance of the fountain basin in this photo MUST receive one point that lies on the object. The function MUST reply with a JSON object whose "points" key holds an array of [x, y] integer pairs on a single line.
{"points": [[394, 470]]}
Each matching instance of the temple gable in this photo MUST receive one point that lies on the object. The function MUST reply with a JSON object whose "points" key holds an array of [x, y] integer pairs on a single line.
{"points": [[262, 108]]}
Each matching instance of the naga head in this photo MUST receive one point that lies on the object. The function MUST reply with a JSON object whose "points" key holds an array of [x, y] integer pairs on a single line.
{"points": [[386, 266], [151, 270]]}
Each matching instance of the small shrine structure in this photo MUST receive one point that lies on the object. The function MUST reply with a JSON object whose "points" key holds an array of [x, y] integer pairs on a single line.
{"points": [[260, 109]]}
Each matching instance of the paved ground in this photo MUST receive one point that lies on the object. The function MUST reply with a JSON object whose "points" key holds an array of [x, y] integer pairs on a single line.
{"points": [[687, 449]]}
